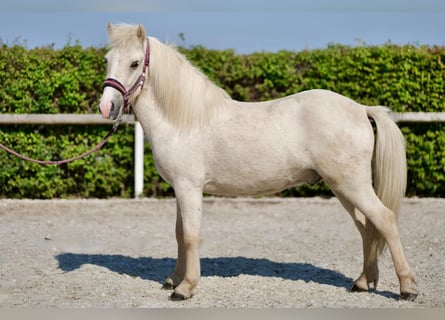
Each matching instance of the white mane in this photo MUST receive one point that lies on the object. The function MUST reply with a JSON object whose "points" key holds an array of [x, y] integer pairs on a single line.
{"points": [[186, 96]]}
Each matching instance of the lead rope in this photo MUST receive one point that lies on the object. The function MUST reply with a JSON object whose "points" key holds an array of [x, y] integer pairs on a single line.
{"points": [[60, 162]]}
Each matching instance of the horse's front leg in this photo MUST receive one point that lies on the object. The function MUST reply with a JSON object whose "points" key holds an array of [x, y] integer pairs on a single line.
{"points": [[188, 272], [178, 274]]}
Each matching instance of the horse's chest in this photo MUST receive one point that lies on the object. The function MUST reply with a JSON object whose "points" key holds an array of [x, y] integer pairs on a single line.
{"points": [[178, 160]]}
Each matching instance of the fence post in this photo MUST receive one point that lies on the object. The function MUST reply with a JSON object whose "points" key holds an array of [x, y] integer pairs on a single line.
{"points": [[138, 160]]}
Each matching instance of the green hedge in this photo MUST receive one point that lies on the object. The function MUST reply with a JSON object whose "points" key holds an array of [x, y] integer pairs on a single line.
{"points": [[45, 80]]}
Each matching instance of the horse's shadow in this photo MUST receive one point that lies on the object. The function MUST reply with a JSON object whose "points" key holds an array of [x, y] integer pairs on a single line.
{"points": [[157, 269]]}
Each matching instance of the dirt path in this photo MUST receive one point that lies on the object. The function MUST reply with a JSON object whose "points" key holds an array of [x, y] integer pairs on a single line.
{"points": [[255, 253]]}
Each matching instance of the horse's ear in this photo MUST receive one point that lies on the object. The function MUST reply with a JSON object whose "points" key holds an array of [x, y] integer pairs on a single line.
{"points": [[141, 33], [110, 27]]}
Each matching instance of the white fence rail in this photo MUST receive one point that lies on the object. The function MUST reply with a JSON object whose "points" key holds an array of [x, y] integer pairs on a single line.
{"points": [[96, 119], [418, 117], [88, 119]]}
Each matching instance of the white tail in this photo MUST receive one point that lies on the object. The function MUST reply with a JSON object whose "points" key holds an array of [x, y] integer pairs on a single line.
{"points": [[389, 168]]}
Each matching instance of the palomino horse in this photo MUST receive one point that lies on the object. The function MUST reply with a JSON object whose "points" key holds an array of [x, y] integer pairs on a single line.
{"points": [[203, 141]]}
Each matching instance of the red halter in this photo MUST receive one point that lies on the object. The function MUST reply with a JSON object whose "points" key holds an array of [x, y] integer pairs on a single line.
{"points": [[116, 84]]}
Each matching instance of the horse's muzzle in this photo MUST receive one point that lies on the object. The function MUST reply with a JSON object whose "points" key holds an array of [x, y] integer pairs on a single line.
{"points": [[109, 110]]}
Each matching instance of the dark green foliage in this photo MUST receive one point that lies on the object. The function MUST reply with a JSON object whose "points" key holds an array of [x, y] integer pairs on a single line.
{"points": [[426, 160], [45, 80], [404, 78]]}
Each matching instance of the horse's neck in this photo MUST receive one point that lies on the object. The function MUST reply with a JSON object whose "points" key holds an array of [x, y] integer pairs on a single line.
{"points": [[188, 99], [148, 113]]}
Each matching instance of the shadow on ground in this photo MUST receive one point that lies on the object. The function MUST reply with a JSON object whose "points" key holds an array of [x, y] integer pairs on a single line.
{"points": [[157, 269]]}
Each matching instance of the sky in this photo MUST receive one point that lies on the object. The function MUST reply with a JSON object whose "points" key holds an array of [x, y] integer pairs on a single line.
{"points": [[245, 26]]}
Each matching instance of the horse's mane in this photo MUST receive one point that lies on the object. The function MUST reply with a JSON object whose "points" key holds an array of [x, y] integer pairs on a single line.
{"points": [[186, 96]]}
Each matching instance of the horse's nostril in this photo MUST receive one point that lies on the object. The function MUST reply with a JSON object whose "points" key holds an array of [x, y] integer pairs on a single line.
{"points": [[115, 110]]}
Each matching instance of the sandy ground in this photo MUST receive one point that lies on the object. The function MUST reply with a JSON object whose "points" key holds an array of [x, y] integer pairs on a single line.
{"points": [[255, 253]]}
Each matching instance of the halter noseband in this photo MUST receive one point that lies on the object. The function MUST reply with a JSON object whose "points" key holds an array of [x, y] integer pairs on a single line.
{"points": [[116, 84]]}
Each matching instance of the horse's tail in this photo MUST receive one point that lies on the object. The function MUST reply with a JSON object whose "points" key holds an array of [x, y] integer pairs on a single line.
{"points": [[389, 169]]}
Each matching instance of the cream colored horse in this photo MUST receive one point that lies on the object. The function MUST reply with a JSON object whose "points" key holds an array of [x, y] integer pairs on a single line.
{"points": [[203, 141]]}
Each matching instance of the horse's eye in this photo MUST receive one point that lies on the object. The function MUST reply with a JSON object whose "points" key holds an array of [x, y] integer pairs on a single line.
{"points": [[134, 65]]}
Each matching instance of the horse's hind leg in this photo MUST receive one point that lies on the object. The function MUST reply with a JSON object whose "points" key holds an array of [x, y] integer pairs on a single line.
{"points": [[370, 273], [363, 197]]}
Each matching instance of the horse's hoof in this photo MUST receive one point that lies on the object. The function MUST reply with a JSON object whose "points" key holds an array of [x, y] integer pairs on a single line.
{"points": [[177, 297], [168, 286], [408, 296], [356, 288]]}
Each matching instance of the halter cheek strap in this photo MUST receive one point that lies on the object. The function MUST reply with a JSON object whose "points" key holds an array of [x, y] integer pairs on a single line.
{"points": [[116, 84]]}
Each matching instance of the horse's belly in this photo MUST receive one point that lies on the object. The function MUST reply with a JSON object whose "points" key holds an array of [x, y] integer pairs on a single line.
{"points": [[248, 163], [243, 185]]}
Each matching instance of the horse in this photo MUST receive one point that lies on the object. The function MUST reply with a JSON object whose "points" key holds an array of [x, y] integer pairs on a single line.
{"points": [[203, 141]]}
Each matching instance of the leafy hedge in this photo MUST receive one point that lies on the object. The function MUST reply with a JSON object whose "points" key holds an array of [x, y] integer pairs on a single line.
{"points": [[45, 80]]}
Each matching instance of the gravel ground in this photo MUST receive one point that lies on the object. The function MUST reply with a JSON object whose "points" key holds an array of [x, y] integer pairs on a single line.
{"points": [[255, 253]]}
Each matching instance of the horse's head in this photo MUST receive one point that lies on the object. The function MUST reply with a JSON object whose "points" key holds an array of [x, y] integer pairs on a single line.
{"points": [[127, 65]]}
